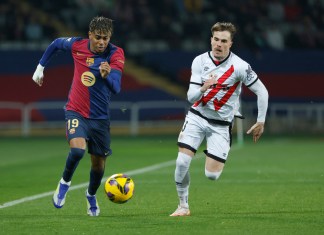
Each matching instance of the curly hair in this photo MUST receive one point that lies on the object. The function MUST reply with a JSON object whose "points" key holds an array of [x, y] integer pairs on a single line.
{"points": [[101, 24], [224, 26]]}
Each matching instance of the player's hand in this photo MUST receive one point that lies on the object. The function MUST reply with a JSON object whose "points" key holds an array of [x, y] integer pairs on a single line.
{"points": [[256, 130], [208, 83], [104, 69], [39, 75]]}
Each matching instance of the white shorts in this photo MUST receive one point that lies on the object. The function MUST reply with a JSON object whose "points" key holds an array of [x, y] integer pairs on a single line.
{"points": [[196, 128]]}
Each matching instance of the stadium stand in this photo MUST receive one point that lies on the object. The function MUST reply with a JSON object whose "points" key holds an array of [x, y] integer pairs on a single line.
{"points": [[282, 39]]}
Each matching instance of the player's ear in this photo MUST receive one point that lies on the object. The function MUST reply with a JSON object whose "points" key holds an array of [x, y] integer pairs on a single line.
{"points": [[89, 34]]}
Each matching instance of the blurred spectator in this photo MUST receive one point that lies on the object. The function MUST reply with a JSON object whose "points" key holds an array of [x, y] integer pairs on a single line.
{"points": [[193, 6], [293, 10], [293, 38], [275, 38], [276, 11], [33, 31], [170, 24], [308, 33], [252, 38]]}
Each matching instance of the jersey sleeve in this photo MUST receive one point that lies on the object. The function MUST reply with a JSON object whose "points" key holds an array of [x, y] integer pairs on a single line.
{"points": [[194, 92], [196, 71], [248, 75], [59, 44], [262, 93], [117, 60]]}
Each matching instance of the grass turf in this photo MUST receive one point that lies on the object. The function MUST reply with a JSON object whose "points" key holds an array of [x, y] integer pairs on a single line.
{"points": [[273, 187]]}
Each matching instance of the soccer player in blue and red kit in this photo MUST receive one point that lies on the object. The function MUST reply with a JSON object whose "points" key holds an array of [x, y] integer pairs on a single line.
{"points": [[98, 67]]}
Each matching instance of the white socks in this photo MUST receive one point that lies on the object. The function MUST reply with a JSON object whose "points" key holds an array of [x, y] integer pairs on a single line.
{"points": [[182, 178], [62, 181]]}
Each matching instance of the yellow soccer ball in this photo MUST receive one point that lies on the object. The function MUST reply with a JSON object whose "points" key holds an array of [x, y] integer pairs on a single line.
{"points": [[119, 188]]}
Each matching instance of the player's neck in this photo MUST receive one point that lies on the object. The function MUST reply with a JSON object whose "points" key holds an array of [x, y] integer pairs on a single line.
{"points": [[219, 59]]}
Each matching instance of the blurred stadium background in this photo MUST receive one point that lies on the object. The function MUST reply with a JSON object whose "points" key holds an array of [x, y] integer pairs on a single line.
{"points": [[283, 40]]}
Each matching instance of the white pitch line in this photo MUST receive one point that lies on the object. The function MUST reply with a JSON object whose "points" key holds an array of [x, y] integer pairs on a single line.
{"points": [[130, 173]]}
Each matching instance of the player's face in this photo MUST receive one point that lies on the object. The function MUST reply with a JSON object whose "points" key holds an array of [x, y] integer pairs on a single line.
{"points": [[98, 41], [221, 43]]}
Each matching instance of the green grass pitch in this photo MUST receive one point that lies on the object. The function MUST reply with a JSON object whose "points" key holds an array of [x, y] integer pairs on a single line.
{"points": [[273, 187]]}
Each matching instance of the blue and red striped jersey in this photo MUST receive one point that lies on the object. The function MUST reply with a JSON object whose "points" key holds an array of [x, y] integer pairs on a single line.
{"points": [[89, 94]]}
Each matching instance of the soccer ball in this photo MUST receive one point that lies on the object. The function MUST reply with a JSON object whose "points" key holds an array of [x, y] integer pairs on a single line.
{"points": [[119, 188]]}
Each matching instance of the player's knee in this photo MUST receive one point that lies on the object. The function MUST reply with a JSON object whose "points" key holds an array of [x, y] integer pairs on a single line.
{"points": [[179, 162], [183, 160], [77, 153], [212, 175]]}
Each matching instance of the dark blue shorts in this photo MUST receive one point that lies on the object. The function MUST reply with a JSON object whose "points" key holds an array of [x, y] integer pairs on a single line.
{"points": [[95, 131]]}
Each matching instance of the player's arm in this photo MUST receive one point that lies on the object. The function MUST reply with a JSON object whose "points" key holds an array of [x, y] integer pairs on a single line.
{"points": [[114, 81], [59, 44], [194, 93], [113, 72], [196, 90], [262, 93], [197, 87]]}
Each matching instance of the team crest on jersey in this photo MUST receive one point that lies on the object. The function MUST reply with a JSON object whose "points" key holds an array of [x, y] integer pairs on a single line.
{"points": [[250, 73], [88, 79], [212, 76], [90, 61]]}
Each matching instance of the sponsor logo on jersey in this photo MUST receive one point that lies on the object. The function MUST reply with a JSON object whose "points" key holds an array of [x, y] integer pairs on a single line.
{"points": [[78, 53], [88, 79], [90, 61], [72, 131]]}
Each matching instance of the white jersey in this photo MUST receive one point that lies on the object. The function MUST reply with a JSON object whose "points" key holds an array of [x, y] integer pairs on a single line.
{"points": [[221, 101]]}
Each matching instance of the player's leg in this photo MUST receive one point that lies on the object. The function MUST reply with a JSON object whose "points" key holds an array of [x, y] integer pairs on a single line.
{"points": [[213, 168], [99, 148], [182, 180], [189, 141], [96, 174], [76, 136], [77, 150], [218, 146]]}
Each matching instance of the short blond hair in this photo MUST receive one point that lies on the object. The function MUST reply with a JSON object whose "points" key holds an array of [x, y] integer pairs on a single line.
{"points": [[224, 26]]}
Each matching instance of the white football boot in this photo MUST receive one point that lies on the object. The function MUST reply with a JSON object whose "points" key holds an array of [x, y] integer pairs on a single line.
{"points": [[181, 211]]}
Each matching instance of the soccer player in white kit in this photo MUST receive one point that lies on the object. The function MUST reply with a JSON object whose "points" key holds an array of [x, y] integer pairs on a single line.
{"points": [[215, 85]]}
